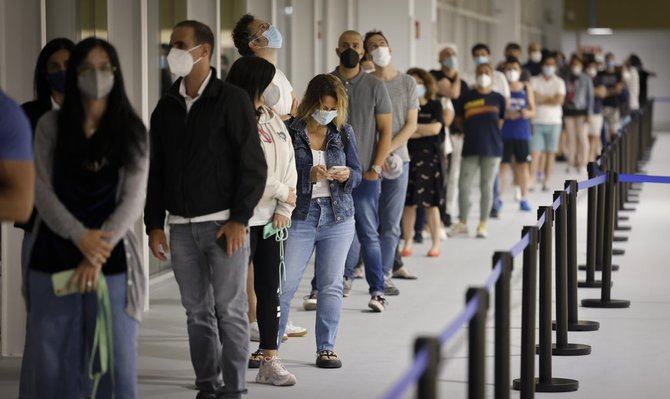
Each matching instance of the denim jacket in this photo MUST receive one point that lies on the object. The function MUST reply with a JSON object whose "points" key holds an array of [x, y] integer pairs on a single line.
{"points": [[337, 154]]}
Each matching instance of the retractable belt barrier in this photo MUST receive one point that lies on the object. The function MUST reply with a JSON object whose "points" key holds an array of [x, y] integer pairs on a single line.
{"points": [[610, 189]]}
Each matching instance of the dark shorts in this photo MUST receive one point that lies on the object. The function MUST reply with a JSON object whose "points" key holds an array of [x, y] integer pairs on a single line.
{"points": [[519, 150]]}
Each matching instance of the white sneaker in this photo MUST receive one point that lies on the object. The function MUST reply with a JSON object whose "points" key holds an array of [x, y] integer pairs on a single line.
{"points": [[482, 231], [517, 193], [254, 332], [459, 229], [273, 372], [443, 234], [309, 302], [294, 331]]}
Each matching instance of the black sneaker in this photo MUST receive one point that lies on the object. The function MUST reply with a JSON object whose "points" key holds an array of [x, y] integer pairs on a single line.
{"points": [[494, 213], [328, 360], [205, 395], [378, 303], [418, 238], [255, 359]]}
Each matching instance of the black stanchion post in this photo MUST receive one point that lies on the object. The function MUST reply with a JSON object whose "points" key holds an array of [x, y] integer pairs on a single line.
{"points": [[592, 245], [605, 300], [502, 326], [427, 385], [477, 345], [574, 324], [562, 346], [546, 382], [526, 384]]}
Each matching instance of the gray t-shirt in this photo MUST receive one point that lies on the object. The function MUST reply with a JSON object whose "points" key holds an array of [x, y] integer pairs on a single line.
{"points": [[367, 97], [404, 97]]}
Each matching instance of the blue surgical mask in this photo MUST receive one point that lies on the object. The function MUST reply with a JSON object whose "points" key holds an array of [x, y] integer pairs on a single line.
{"points": [[57, 81], [421, 91], [324, 117], [482, 59], [611, 65], [450, 62], [274, 37]]}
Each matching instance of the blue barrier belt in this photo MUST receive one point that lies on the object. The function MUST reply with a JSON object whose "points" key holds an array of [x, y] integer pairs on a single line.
{"points": [[624, 178]]}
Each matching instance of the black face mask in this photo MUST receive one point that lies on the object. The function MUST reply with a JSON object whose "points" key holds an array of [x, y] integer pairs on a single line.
{"points": [[349, 58]]}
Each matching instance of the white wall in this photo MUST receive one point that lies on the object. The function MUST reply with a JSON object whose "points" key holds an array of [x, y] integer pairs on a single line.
{"points": [[653, 47], [425, 46]]}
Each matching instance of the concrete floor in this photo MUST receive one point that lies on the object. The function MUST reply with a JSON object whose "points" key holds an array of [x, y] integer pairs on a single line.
{"points": [[629, 358]]}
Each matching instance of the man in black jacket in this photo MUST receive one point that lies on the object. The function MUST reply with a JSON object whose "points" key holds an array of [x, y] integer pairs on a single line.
{"points": [[207, 172]]}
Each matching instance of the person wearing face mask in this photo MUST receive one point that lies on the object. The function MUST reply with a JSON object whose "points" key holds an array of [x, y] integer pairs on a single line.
{"points": [[577, 109], [208, 173], [91, 162], [613, 82], [49, 85], [405, 106], [516, 131], [425, 187], [631, 79], [549, 92], [370, 115], [450, 86], [254, 74], [323, 220], [480, 112], [513, 50], [254, 37], [643, 75], [596, 120], [534, 63]]}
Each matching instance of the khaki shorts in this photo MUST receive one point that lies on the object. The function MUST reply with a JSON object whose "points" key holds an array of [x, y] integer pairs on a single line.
{"points": [[596, 125]]}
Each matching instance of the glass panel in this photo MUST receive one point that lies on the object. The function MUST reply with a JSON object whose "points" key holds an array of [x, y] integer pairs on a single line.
{"points": [[162, 16], [93, 18], [231, 11]]}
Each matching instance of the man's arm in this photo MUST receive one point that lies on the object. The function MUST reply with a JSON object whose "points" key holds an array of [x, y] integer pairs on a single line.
{"points": [[17, 189], [154, 208], [406, 132], [384, 126]]}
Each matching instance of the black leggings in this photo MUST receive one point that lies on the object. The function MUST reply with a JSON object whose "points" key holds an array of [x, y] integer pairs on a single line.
{"points": [[265, 257]]}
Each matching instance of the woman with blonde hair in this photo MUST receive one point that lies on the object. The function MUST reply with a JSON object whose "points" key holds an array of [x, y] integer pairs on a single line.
{"points": [[323, 220]]}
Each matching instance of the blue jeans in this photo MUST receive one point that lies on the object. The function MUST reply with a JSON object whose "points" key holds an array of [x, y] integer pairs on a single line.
{"points": [[497, 201], [366, 202], [331, 240], [213, 291], [61, 332], [25, 391], [391, 204]]}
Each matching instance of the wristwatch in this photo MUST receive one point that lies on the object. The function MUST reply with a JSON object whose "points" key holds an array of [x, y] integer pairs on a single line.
{"points": [[377, 169]]}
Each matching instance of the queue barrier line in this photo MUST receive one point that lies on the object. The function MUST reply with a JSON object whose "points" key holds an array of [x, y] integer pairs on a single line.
{"points": [[596, 181], [628, 178]]}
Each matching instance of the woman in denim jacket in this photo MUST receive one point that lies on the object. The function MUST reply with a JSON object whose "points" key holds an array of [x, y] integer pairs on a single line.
{"points": [[323, 220]]}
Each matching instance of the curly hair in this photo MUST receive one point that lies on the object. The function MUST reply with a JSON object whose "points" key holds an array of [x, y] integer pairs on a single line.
{"points": [[242, 36]]}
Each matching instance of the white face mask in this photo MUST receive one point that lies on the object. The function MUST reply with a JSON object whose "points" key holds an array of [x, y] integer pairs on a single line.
{"points": [[548, 70], [592, 72], [381, 56], [536, 56], [180, 61], [512, 75], [271, 95], [482, 59], [484, 80], [625, 75], [576, 70]]}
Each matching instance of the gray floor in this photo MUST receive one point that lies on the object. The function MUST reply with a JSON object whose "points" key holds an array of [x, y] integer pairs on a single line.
{"points": [[629, 357]]}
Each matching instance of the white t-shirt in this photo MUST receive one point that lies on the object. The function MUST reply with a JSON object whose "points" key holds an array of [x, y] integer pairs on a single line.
{"points": [[320, 189], [283, 106], [544, 113]]}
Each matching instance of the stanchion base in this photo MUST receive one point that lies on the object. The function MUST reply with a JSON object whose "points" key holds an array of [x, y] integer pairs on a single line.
{"points": [[568, 350], [611, 304], [618, 252], [624, 209], [599, 268], [594, 284], [583, 325], [555, 385], [624, 218], [620, 239], [622, 228]]}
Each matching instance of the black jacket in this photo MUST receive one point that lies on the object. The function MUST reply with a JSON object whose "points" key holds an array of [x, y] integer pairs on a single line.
{"points": [[206, 161]]}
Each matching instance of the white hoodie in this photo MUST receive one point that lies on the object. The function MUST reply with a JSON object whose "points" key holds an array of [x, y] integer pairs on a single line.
{"points": [[282, 175]]}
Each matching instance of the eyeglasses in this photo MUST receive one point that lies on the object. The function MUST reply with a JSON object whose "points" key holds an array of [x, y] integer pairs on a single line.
{"points": [[259, 33], [91, 68]]}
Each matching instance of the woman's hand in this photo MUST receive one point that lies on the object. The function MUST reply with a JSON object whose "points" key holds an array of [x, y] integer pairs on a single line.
{"points": [[85, 276], [280, 221], [292, 198], [95, 247], [525, 114], [318, 173], [341, 175]]}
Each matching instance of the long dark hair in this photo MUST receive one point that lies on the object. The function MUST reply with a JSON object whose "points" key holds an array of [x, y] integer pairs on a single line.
{"points": [[121, 135], [252, 74], [40, 80]]}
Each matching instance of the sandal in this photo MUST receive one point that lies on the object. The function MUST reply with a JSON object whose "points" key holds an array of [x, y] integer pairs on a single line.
{"points": [[255, 359], [326, 359]]}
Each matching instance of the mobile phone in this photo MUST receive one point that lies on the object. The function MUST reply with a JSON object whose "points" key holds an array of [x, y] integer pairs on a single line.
{"points": [[337, 168], [60, 282]]}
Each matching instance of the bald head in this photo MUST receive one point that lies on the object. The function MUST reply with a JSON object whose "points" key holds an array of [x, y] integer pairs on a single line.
{"points": [[349, 36]]}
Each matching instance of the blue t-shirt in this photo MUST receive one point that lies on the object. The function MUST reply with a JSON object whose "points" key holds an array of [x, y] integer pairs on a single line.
{"points": [[15, 136], [481, 114], [597, 101], [517, 129]]}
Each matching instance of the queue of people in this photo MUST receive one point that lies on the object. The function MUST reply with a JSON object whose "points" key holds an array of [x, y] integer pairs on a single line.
{"points": [[251, 181]]}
